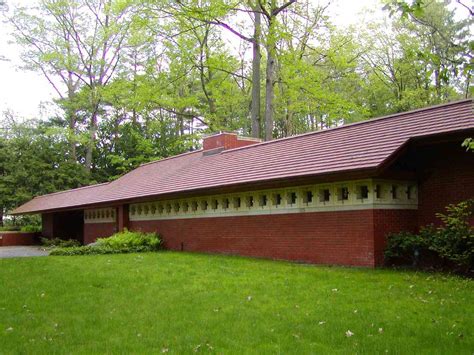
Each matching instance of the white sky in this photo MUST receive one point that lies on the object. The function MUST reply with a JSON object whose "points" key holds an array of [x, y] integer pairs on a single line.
{"points": [[23, 92]]}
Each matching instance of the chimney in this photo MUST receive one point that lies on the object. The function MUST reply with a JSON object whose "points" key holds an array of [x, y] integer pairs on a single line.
{"points": [[225, 140]]}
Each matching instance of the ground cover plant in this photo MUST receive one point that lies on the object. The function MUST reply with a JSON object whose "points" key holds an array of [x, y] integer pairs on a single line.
{"points": [[172, 302], [121, 242]]}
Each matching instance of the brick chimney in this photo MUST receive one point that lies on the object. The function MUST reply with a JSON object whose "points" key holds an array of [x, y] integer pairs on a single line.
{"points": [[226, 140]]}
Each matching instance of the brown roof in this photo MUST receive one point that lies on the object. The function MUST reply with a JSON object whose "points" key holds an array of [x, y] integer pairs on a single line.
{"points": [[357, 146]]}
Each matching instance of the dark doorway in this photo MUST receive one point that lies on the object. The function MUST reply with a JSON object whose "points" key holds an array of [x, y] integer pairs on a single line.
{"points": [[69, 225]]}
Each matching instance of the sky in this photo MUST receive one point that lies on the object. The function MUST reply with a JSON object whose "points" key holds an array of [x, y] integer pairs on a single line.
{"points": [[27, 93]]}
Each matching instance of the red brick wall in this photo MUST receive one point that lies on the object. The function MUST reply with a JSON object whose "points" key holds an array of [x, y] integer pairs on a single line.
{"points": [[18, 238], [92, 231], [226, 141], [448, 177], [390, 221], [344, 237]]}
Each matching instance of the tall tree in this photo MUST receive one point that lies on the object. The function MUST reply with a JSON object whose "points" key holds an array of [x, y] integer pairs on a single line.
{"points": [[78, 43]]}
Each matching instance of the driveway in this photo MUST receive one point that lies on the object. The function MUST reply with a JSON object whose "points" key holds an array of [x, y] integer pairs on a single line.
{"points": [[21, 251]]}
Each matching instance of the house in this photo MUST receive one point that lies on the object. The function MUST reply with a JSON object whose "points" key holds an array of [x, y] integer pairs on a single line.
{"points": [[327, 197]]}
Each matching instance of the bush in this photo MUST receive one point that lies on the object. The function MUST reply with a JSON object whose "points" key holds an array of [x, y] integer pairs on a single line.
{"points": [[59, 243], [455, 240], [10, 228], [405, 247], [131, 240], [451, 243], [81, 250], [31, 228], [123, 242]]}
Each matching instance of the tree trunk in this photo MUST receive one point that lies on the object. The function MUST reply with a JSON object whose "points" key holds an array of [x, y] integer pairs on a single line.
{"points": [[91, 145], [255, 109], [269, 81], [71, 116]]}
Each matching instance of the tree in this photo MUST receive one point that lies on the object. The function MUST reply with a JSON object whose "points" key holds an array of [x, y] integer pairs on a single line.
{"points": [[78, 44], [34, 161]]}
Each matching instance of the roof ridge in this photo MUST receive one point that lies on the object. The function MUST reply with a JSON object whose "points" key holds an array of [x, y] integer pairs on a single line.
{"points": [[77, 188], [171, 157], [367, 121]]}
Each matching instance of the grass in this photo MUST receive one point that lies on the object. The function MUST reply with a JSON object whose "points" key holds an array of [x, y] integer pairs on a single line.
{"points": [[185, 303]]}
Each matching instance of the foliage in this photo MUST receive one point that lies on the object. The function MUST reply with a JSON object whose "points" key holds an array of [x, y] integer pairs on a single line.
{"points": [[131, 240], [9, 228], [468, 144], [406, 246], [34, 160], [59, 243], [138, 81], [122, 242], [185, 303], [31, 228], [84, 250], [453, 241]]}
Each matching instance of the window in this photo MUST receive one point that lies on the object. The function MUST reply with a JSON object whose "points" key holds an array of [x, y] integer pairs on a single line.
{"points": [[262, 201], [112, 213], [225, 203], [107, 214], [194, 206], [236, 202], [378, 191], [394, 192], [291, 198], [277, 199], [411, 192], [324, 195], [362, 192], [204, 205], [139, 210], [145, 209], [308, 197], [185, 207], [343, 193], [214, 204], [153, 209], [160, 208], [176, 207], [249, 201], [168, 208]]}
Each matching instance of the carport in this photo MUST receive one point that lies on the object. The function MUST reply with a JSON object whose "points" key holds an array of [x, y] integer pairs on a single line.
{"points": [[64, 225]]}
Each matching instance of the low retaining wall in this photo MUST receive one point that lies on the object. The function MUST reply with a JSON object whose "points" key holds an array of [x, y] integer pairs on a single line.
{"points": [[18, 238]]}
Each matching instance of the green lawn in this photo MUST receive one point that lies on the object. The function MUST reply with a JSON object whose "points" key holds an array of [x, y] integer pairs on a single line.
{"points": [[185, 303]]}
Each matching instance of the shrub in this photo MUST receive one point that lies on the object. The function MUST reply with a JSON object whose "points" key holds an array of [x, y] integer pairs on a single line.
{"points": [[10, 228], [31, 228], [405, 247], [455, 240], [81, 250], [59, 243], [131, 240], [123, 242], [452, 242]]}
